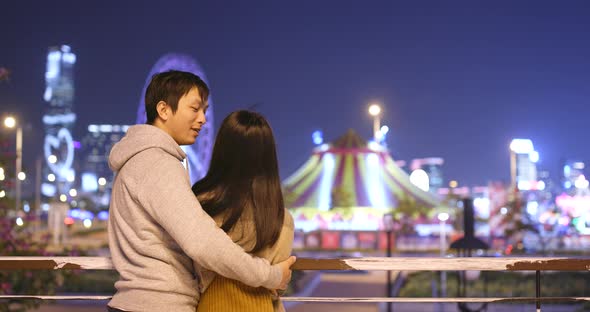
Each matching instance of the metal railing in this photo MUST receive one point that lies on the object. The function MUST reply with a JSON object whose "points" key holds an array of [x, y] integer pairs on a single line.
{"points": [[535, 264]]}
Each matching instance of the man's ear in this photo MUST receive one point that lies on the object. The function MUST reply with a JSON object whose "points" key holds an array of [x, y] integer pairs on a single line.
{"points": [[163, 110]]}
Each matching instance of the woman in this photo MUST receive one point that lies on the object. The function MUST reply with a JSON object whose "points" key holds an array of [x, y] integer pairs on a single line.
{"points": [[242, 192]]}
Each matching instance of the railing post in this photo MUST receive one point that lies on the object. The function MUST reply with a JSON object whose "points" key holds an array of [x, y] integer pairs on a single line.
{"points": [[538, 282], [389, 271], [388, 226]]}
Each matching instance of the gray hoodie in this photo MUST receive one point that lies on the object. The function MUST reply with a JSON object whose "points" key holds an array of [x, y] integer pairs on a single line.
{"points": [[157, 228]]}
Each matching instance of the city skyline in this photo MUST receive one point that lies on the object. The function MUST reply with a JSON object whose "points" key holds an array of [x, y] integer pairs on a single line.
{"points": [[455, 81]]}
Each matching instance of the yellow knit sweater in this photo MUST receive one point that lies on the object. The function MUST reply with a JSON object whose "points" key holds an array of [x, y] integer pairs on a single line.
{"points": [[225, 295]]}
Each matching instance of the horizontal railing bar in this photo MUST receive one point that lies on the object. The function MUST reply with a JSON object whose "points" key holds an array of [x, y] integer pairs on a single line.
{"points": [[427, 300], [40, 297], [348, 299], [445, 264], [368, 264], [54, 263]]}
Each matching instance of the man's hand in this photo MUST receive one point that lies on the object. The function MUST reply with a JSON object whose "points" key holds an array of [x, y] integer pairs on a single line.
{"points": [[285, 268]]}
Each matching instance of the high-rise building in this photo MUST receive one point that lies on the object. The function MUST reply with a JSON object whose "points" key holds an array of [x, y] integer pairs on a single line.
{"points": [[96, 176], [573, 170], [545, 184], [523, 164], [58, 121], [6, 164], [433, 168]]}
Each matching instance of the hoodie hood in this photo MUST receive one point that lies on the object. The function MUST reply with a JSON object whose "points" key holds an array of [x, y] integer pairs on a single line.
{"points": [[140, 138]]}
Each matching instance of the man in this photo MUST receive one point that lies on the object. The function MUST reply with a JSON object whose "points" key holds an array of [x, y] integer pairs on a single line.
{"points": [[156, 225]]}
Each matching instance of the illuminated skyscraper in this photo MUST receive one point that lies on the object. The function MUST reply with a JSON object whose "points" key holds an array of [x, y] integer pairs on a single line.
{"points": [[523, 164], [58, 121], [96, 176], [573, 170], [433, 168]]}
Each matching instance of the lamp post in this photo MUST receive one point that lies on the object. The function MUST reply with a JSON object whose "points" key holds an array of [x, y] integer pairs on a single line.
{"points": [[443, 217], [388, 225], [10, 122], [375, 111]]}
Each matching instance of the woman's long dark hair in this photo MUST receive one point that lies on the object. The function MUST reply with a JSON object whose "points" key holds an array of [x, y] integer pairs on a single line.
{"points": [[244, 174]]}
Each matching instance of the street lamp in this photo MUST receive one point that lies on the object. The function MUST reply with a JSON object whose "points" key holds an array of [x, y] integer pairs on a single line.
{"points": [[375, 111], [10, 122], [443, 217], [388, 226]]}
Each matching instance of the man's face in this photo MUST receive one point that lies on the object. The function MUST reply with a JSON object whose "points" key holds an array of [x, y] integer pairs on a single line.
{"points": [[185, 124]]}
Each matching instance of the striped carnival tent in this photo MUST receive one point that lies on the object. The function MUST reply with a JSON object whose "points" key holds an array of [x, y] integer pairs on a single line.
{"points": [[350, 184]]}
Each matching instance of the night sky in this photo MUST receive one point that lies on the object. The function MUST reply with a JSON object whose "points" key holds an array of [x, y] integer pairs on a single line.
{"points": [[457, 79]]}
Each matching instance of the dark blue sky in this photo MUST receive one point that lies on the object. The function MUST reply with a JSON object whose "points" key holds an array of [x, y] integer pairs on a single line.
{"points": [[458, 79]]}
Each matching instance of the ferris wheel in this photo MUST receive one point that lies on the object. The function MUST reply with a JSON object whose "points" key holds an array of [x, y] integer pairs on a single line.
{"points": [[198, 154]]}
